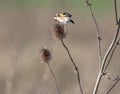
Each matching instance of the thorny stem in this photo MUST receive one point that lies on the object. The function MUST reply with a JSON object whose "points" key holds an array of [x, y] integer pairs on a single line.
{"points": [[98, 32], [104, 60], [75, 66], [54, 78], [113, 85]]}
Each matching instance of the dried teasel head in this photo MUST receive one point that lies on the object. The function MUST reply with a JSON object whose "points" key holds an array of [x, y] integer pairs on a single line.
{"points": [[45, 55], [59, 31]]}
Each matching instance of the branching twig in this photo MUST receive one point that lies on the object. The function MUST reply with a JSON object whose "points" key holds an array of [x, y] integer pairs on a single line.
{"points": [[98, 32], [114, 48], [113, 85], [75, 66], [108, 52], [54, 78], [105, 59]]}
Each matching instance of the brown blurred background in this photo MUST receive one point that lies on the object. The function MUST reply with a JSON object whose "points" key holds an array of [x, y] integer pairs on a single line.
{"points": [[24, 30]]}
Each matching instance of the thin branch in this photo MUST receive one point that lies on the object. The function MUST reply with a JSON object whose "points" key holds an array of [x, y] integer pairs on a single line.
{"points": [[75, 66], [111, 55], [105, 59], [116, 14], [46, 57], [109, 49], [54, 78], [98, 32], [113, 85], [107, 53]]}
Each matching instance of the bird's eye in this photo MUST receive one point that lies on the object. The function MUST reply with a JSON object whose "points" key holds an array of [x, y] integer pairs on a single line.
{"points": [[58, 15]]}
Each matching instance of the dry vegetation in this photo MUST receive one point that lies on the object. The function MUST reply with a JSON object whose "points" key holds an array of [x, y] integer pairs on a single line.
{"points": [[23, 31]]}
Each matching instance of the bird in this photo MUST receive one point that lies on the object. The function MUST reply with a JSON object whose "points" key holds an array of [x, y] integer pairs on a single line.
{"points": [[63, 18]]}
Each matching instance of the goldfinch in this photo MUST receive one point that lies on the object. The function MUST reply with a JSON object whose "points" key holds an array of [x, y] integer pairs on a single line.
{"points": [[63, 18]]}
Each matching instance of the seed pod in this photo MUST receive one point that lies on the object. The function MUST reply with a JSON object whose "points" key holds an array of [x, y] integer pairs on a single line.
{"points": [[59, 31], [45, 55]]}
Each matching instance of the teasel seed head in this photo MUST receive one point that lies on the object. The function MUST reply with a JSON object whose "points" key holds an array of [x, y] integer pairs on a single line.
{"points": [[59, 31], [45, 55]]}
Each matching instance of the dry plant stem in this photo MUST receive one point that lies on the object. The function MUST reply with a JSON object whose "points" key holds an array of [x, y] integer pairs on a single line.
{"points": [[105, 59], [54, 78], [116, 17], [98, 32], [75, 66], [108, 51], [111, 55], [113, 86]]}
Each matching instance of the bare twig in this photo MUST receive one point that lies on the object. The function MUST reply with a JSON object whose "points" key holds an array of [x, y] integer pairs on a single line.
{"points": [[98, 32], [105, 59], [113, 85], [111, 55], [108, 52], [54, 78], [75, 66], [116, 14], [46, 57]]}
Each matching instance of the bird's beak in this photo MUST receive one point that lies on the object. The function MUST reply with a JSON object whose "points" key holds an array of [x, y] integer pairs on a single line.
{"points": [[54, 18]]}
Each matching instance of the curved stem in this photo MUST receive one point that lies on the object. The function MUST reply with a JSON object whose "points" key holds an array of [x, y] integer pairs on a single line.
{"points": [[113, 85], [54, 78], [98, 32], [116, 15], [104, 60], [111, 55], [75, 66]]}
